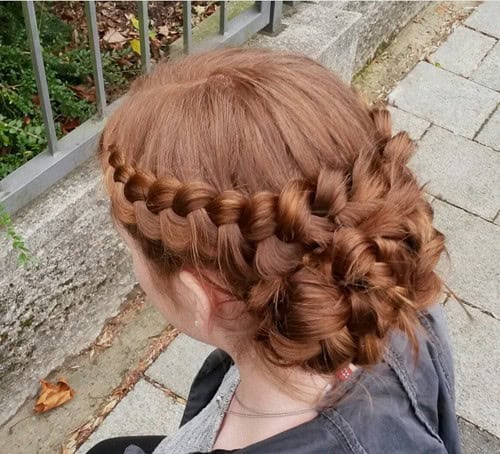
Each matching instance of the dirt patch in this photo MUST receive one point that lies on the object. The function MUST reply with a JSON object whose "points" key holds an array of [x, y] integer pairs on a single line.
{"points": [[413, 43]]}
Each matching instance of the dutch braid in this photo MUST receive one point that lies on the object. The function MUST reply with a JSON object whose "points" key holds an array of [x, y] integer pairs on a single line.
{"points": [[327, 265]]}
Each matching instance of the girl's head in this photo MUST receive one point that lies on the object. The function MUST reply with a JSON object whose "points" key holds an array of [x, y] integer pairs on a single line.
{"points": [[263, 199]]}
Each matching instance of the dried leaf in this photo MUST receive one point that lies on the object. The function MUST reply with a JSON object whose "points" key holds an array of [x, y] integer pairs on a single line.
{"points": [[113, 36], [53, 395], [75, 36], [69, 124], [135, 44], [105, 340], [163, 30], [84, 92], [110, 405], [199, 9]]}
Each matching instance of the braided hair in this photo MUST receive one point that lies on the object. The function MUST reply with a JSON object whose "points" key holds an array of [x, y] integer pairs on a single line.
{"points": [[267, 169]]}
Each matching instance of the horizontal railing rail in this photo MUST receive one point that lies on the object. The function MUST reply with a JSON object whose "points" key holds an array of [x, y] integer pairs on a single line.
{"points": [[63, 155]]}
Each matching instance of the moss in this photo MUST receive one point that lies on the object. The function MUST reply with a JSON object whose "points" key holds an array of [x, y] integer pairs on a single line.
{"points": [[380, 49], [27, 323]]}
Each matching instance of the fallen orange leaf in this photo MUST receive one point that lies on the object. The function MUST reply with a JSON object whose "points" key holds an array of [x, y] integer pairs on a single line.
{"points": [[84, 92], [53, 395]]}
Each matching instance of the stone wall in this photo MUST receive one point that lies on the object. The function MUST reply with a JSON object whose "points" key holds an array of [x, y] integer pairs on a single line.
{"points": [[381, 21], [57, 306], [344, 36]]}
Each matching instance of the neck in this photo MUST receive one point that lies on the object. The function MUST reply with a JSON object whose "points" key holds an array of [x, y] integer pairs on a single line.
{"points": [[270, 388]]}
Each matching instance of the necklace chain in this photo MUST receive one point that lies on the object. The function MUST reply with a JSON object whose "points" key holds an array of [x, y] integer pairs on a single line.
{"points": [[263, 414], [342, 375]]}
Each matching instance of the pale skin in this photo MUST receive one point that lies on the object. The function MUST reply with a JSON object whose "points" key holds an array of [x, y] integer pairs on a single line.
{"points": [[262, 387]]}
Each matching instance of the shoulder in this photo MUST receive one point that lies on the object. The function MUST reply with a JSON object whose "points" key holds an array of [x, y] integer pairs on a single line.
{"points": [[377, 415], [405, 403], [206, 383]]}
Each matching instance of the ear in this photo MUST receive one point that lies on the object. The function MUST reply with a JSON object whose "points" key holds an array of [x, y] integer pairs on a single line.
{"points": [[198, 295]]}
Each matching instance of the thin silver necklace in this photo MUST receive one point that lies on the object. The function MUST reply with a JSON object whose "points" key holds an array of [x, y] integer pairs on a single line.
{"points": [[343, 375], [262, 414]]}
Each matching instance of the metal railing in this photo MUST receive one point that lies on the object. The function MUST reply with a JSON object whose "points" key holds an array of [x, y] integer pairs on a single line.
{"points": [[63, 155]]}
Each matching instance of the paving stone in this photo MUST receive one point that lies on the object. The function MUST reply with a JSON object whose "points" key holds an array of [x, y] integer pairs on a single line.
{"points": [[477, 365], [460, 171], [404, 121], [445, 99], [176, 367], [463, 51], [474, 248], [488, 72], [145, 410], [477, 441], [486, 18], [490, 134]]}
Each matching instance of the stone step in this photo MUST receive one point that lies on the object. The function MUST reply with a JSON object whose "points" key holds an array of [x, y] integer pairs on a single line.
{"points": [[329, 36]]}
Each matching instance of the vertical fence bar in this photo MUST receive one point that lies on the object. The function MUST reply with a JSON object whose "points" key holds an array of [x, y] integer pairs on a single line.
{"points": [[142, 7], [39, 69], [186, 26], [223, 17], [276, 11], [100, 91]]}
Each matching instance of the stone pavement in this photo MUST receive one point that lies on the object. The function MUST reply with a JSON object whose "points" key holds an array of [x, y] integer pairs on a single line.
{"points": [[450, 105]]}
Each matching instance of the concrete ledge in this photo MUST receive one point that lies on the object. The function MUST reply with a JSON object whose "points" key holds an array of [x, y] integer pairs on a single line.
{"points": [[381, 21], [343, 36], [30, 180], [329, 38], [58, 305]]}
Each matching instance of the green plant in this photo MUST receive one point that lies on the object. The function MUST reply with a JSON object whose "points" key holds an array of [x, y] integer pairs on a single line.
{"points": [[68, 69], [23, 138], [17, 241]]}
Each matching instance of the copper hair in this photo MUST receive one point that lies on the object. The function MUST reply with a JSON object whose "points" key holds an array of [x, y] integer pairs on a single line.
{"points": [[267, 169]]}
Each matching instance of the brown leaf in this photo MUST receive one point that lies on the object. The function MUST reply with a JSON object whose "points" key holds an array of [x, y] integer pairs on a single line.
{"points": [[84, 92], [69, 124], [113, 36], [53, 395]]}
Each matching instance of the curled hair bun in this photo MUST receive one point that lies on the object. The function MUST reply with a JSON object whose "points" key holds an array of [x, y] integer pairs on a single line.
{"points": [[265, 167]]}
